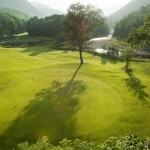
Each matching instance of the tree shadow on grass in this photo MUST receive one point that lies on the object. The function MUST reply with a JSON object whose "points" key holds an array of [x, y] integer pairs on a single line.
{"points": [[34, 51], [106, 59], [51, 113], [135, 85]]}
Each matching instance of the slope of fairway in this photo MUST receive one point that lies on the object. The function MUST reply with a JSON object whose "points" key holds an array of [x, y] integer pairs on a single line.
{"points": [[46, 92]]}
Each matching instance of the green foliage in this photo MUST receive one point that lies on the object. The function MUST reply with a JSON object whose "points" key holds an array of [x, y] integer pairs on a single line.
{"points": [[42, 144], [141, 36], [7, 25], [102, 30], [80, 22], [127, 56], [15, 13], [126, 52], [11, 22], [49, 26], [130, 22], [129, 142], [114, 46]]}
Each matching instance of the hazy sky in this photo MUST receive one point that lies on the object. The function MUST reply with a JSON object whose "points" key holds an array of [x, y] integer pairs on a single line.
{"points": [[108, 6]]}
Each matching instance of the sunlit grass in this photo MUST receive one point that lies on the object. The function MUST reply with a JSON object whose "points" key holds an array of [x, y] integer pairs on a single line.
{"points": [[22, 34], [46, 92]]}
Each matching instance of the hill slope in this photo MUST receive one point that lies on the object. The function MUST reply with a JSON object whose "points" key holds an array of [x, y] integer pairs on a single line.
{"points": [[131, 21], [15, 13], [12, 22], [121, 13], [28, 8], [21, 5], [45, 10]]}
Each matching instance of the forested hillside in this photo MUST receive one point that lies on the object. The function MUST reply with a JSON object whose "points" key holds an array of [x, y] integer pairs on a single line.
{"points": [[20, 5], [26, 7], [133, 20], [15, 13], [12, 22], [134, 5]]}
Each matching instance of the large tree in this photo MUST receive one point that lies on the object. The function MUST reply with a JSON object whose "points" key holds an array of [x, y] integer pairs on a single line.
{"points": [[79, 23]]}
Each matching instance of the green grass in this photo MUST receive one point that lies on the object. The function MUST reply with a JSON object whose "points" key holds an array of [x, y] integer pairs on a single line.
{"points": [[45, 92]]}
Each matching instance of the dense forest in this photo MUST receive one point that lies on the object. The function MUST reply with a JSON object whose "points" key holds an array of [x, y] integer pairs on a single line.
{"points": [[52, 26], [12, 22], [133, 20], [102, 30]]}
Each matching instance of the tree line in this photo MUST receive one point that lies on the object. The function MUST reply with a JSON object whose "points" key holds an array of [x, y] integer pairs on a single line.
{"points": [[53, 26], [13, 22]]}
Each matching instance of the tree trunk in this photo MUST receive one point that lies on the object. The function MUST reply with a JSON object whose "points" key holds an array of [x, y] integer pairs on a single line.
{"points": [[80, 51], [81, 58], [127, 65]]}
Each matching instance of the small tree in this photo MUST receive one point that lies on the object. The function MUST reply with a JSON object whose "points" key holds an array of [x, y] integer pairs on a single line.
{"points": [[80, 21], [114, 46], [127, 57]]}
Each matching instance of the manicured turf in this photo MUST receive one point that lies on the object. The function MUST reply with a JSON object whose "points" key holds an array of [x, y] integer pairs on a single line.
{"points": [[46, 92]]}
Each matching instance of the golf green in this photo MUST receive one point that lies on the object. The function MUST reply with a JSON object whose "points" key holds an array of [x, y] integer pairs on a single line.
{"points": [[46, 92]]}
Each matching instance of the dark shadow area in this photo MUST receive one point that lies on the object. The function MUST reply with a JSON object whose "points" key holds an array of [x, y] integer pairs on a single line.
{"points": [[135, 85], [106, 59], [51, 113], [61, 46], [34, 51], [23, 42], [75, 73]]}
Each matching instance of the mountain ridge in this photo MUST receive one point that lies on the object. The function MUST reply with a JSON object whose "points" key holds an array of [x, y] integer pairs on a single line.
{"points": [[26, 7], [45, 10], [132, 6]]}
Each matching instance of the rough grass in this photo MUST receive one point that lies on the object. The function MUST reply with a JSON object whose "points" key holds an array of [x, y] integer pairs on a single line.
{"points": [[47, 93]]}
